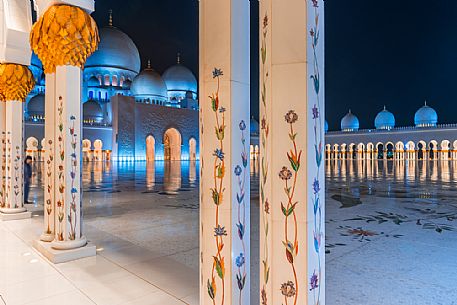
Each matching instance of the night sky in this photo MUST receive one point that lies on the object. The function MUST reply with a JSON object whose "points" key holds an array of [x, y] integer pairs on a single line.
{"points": [[393, 53]]}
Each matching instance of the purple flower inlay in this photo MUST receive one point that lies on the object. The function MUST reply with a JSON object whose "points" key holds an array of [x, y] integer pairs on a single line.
{"points": [[314, 281]]}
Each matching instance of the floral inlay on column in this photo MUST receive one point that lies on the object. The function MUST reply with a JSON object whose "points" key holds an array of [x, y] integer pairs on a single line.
{"points": [[8, 169], [318, 220], [49, 188], [265, 205], [290, 288], [217, 193], [3, 173], [60, 172], [72, 216], [240, 173], [17, 177]]}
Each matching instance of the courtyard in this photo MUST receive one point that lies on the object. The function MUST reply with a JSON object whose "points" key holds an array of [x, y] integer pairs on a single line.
{"points": [[390, 235]]}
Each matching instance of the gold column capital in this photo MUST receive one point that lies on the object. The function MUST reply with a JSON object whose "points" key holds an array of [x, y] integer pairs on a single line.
{"points": [[64, 35], [16, 82]]}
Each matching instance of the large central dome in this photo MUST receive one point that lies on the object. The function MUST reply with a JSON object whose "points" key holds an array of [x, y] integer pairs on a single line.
{"points": [[115, 50]]}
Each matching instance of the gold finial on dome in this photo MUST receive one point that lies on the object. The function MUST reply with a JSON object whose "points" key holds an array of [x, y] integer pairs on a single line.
{"points": [[64, 35], [178, 58], [110, 22], [149, 64]]}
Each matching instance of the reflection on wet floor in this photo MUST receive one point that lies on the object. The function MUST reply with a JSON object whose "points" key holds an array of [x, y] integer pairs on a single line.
{"points": [[392, 179], [387, 222], [162, 177]]}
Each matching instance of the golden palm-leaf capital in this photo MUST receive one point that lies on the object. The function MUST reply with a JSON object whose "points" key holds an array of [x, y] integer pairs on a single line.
{"points": [[16, 82], [64, 35]]}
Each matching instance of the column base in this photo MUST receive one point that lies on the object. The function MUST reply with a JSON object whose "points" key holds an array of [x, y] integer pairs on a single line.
{"points": [[61, 256], [47, 237], [14, 214]]}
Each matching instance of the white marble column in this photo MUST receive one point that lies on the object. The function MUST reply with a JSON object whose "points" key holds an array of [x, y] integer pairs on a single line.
{"points": [[224, 152], [16, 81], [14, 173], [63, 56], [67, 148], [292, 245], [2, 153], [49, 160]]}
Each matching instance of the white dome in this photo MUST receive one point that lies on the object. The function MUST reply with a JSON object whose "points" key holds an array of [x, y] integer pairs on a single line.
{"points": [[35, 106], [115, 50], [384, 120], [37, 70], [425, 117], [149, 85], [180, 78], [349, 122], [92, 112]]}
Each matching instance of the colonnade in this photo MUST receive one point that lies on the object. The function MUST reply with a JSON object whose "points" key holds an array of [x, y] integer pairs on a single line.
{"points": [[399, 151], [16, 81], [292, 264]]}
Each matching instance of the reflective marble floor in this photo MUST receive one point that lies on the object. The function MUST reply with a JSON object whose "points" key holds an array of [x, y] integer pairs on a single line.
{"points": [[391, 237]]}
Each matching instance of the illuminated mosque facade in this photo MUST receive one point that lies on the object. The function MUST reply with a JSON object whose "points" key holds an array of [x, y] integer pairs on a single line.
{"points": [[128, 114], [426, 140]]}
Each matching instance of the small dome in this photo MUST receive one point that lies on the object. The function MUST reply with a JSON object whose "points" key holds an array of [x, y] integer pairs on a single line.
{"points": [[326, 126], [149, 85], [93, 82], [425, 117], [180, 78], [35, 107], [384, 120], [115, 50], [37, 70], [349, 122], [92, 112], [254, 126]]}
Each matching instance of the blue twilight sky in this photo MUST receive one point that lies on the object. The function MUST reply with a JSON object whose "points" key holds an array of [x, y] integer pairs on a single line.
{"points": [[393, 53]]}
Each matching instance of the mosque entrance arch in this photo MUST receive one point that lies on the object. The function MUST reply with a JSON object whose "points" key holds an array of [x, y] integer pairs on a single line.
{"points": [[421, 150], [370, 150], [172, 145], [32, 148], [433, 150], [399, 151], [192, 149], [380, 151], [353, 151], [389, 150], [98, 153], [150, 148], [446, 150], [87, 144]]}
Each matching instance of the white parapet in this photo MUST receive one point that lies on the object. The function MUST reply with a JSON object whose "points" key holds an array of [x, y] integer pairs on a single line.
{"points": [[15, 25], [42, 5]]}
